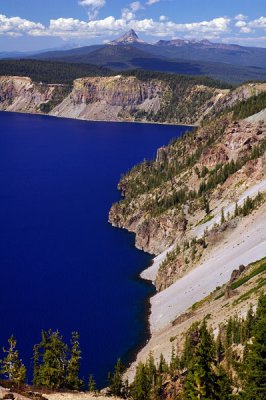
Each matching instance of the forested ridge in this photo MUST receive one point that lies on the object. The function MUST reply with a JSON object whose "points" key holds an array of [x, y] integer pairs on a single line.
{"points": [[65, 73], [50, 71]]}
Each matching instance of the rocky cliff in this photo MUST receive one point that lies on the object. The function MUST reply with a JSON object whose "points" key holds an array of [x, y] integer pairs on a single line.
{"points": [[21, 94], [113, 98], [194, 192], [123, 98]]}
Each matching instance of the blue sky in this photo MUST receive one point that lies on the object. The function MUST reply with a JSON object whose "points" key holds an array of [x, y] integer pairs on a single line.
{"points": [[36, 24]]}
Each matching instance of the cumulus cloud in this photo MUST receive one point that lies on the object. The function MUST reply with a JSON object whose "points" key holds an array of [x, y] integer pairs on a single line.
{"points": [[258, 23], [16, 26], [249, 26], [151, 2], [71, 28], [129, 13], [241, 17], [136, 6], [93, 7]]}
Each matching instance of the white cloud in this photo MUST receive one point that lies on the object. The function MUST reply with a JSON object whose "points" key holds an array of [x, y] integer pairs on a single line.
{"points": [[127, 14], [136, 6], [241, 17], [93, 7], [240, 24], [71, 28], [151, 2], [248, 27], [16, 26], [258, 23]]}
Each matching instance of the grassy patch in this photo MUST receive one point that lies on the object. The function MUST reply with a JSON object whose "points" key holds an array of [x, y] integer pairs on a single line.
{"points": [[256, 271], [205, 219], [200, 303], [219, 295], [247, 295]]}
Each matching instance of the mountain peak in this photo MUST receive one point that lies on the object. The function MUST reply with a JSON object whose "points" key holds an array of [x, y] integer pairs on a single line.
{"points": [[127, 38]]}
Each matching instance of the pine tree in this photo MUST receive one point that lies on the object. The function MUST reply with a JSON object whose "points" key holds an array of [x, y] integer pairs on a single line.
{"points": [[248, 326], [92, 384], [255, 363], [140, 389], [162, 367], [222, 216], [191, 341], [151, 370], [236, 212], [206, 205], [50, 359], [116, 384], [202, 382], [36, 366], [12, 366], [174, 361], [224, 384], [73, 365], [219, 348]]}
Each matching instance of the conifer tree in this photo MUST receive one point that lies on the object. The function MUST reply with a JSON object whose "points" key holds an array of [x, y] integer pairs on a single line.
{"points": [[92, 384], [162, 367], [248, 326], [50, 359], [219, 348], [116, 384], [151, 370], [73, 365], [255, 363], [36, 365], [206, 205], [224, 384], [236, 212], [12, 366], [140, 389], [174, 361], [222, 216], [202, 382], [191, 341]]}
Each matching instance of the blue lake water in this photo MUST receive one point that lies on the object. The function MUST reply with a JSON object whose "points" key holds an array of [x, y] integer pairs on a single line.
{"points": [[62, 266]]}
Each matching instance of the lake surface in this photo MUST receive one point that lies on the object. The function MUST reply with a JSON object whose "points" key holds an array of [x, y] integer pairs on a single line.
{"points": [[62, 266]]}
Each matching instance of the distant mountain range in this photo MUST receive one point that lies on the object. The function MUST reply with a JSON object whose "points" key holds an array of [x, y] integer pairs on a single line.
{"points": [[228, 62]]}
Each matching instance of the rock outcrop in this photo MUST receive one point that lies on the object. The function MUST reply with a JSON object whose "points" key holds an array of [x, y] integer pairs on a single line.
{"points": [[172, 201], [113, 98], [23, 95]]}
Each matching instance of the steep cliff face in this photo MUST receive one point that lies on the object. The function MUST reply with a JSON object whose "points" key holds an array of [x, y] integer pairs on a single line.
{"points": [[112, 98], [122, 98], [189, 195], [116, 98], [21, 94]]}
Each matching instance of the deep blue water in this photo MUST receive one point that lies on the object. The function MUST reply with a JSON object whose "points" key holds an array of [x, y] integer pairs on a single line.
{"points": [[62, 266]]}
